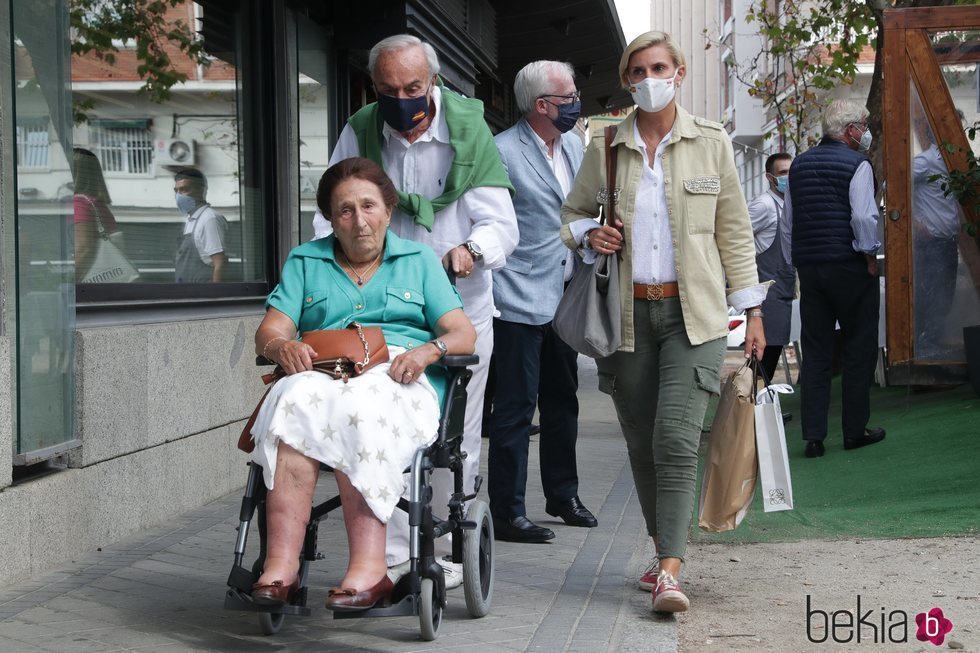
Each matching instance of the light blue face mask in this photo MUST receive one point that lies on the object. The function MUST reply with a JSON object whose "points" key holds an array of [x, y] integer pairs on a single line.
{"points": [[782, 183], [185, 203]]}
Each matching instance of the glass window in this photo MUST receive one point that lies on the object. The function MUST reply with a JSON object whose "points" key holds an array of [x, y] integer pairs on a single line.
{"points": [[159, 145], [944, 295], [128, 150], [317, 115], [32, 143], [43, 293]]}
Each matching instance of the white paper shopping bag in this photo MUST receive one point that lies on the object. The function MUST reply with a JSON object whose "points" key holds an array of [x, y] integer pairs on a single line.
{"points": [[770, 440]]}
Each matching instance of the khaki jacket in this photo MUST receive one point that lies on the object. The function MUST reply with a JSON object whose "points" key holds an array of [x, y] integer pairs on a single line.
{"points": [[709, 222]]}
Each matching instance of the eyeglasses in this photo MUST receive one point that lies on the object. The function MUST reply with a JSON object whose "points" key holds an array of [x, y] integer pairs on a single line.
{"points": [[577, 95]]}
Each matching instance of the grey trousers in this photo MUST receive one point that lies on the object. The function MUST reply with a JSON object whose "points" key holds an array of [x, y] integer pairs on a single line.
{"points": [[661, 391]]}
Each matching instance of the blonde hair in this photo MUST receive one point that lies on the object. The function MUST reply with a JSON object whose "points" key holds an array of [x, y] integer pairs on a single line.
{"points": [[644, 41]]}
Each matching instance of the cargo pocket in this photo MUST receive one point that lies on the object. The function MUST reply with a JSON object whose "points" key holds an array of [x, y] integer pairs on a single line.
{"points": [[701, 199], [404, 305], [607, 383], [708, 379]]}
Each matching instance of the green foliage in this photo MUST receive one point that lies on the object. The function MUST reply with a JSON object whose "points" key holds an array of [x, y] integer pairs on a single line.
{"points": [[809, 47], [99, 26]]}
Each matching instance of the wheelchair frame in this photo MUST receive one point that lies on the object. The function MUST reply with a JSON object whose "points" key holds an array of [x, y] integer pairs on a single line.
{"points": [[422, 591]]}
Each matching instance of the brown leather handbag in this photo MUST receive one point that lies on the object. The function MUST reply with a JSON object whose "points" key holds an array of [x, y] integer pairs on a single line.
{"points": [[341, 354]]}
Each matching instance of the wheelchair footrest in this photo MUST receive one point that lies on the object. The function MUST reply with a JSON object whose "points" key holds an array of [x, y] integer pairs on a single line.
{"points": [[236, 600], [241, 579], [407, 607]]}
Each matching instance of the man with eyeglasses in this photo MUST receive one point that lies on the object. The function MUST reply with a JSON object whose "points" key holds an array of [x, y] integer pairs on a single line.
{"points": [[534, 367], [454, 196], [831, 209]]}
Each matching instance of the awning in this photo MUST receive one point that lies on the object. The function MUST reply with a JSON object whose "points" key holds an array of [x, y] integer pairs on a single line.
{"points": [[585, 33]]}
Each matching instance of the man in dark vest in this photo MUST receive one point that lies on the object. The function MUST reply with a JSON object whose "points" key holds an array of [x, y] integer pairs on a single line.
{"points": [[830, 206], [772, 258]]}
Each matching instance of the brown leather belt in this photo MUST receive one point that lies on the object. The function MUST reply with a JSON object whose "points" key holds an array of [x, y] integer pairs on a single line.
{"points": [[655, 291]]}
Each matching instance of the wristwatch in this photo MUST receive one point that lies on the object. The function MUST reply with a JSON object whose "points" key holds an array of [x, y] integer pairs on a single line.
{"points": [[474, 250], [441, 346]]}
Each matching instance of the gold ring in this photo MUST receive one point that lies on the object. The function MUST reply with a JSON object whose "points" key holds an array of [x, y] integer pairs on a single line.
{"points": [[410, 373], [605, 243]]}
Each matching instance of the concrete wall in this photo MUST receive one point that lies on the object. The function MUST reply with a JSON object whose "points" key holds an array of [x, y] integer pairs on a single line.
{"points": [[158, 408]]}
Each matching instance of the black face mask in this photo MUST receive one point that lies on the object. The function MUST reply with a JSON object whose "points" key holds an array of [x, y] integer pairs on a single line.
{"points": [[403, 114], [567, 115]]}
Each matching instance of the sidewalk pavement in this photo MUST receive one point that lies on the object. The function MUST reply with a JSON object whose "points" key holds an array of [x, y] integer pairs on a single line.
{"points": [[163, 590]]}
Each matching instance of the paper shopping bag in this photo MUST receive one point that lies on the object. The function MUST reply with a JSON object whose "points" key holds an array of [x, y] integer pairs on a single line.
{"points": [[770, 440], [730, 464]]}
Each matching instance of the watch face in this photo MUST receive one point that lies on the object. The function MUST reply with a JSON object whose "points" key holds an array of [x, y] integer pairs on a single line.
{"points": [[474, 249]]}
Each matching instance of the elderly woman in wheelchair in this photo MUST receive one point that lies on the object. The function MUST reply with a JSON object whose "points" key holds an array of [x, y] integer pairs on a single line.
{"points": [[367, 427]]}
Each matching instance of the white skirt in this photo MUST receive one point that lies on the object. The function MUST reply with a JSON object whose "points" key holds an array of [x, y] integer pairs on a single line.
{"points": [[368, 428]]}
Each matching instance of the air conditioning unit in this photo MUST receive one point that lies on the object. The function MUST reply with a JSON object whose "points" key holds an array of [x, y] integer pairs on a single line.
{"points": [[175, 152]]}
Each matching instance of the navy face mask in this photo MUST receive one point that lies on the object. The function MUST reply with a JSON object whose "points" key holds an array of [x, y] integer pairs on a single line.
{"points": [[403, 114], [567, 115]]}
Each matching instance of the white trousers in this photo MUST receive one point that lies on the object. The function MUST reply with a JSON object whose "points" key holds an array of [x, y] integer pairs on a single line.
{"points": [[396, 549]]}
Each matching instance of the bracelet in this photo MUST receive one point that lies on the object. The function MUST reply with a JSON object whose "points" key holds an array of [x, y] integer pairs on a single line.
{"points": [[756, 313], [265, 349], [587, 241]]}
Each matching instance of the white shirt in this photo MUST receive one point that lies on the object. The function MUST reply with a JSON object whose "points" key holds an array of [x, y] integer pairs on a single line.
{"points": [[764, 212], [864, 211], [484, 214], [209, 229], [653, 250], [940, 214], [563, 173]]}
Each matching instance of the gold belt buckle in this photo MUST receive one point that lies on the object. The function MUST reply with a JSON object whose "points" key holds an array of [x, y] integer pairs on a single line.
{"points": [[655, 292]]}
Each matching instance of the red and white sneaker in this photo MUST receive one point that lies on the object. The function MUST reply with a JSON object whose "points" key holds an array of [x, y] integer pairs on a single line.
{"points": [[649, 578], [667, 595]]}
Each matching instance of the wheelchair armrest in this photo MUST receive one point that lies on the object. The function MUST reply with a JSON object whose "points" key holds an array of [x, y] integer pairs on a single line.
{"points": [[458, 361]]}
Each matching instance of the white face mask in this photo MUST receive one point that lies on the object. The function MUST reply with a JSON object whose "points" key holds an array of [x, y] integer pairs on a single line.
{"points": [[865, 143], [653, 95]]}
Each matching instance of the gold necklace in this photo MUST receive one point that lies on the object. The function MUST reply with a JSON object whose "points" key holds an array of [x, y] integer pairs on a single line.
{"points": [[360, 275]]}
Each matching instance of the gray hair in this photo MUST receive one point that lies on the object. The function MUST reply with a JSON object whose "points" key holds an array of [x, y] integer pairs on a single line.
{"points": [[534, 80], [400, 42], [841, 113]]}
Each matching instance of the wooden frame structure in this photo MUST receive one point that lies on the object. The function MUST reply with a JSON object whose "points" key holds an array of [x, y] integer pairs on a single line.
{"points": [[911, 57]]}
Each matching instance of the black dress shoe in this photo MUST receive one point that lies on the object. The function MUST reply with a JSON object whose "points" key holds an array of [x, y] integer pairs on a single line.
{"points": [[870, 437], [520, 529], [572, 512], [814, 448]]}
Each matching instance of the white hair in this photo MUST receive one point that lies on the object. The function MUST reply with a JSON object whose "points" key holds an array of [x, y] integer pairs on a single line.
{"points": [[535, 80], [839, 114], [400, 42]]}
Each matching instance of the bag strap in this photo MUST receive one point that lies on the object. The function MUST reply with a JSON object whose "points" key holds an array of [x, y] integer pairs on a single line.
{"points": [[609, 215], [98, 217]]}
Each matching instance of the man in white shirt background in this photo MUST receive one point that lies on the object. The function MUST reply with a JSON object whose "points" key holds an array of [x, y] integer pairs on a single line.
{"points": [[473, 230], [772, 258], [200, 255]]}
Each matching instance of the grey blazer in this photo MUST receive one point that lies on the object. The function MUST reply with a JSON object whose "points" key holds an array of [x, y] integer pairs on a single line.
{"points": [[529, 286]]}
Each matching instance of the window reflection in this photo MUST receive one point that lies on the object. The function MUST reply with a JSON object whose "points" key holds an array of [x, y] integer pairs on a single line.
{"points": [[145, 138]]}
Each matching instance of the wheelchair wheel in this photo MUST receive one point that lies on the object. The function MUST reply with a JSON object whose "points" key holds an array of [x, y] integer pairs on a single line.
{"points": [[478, 567], [430, 610], [270, 623]]}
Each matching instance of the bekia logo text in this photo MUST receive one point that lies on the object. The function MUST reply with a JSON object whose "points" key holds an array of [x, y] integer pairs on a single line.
{"points": [[874, 626]]}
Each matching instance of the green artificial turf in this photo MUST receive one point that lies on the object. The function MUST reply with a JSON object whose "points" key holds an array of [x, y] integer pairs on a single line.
{"points": [[921, 481]]}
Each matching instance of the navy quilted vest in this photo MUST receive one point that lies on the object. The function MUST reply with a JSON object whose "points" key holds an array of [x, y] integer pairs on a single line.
{"points": [[819, 182]]}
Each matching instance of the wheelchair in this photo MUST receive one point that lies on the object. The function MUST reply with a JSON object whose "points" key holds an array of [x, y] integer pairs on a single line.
{"points": [[421, 592]]}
